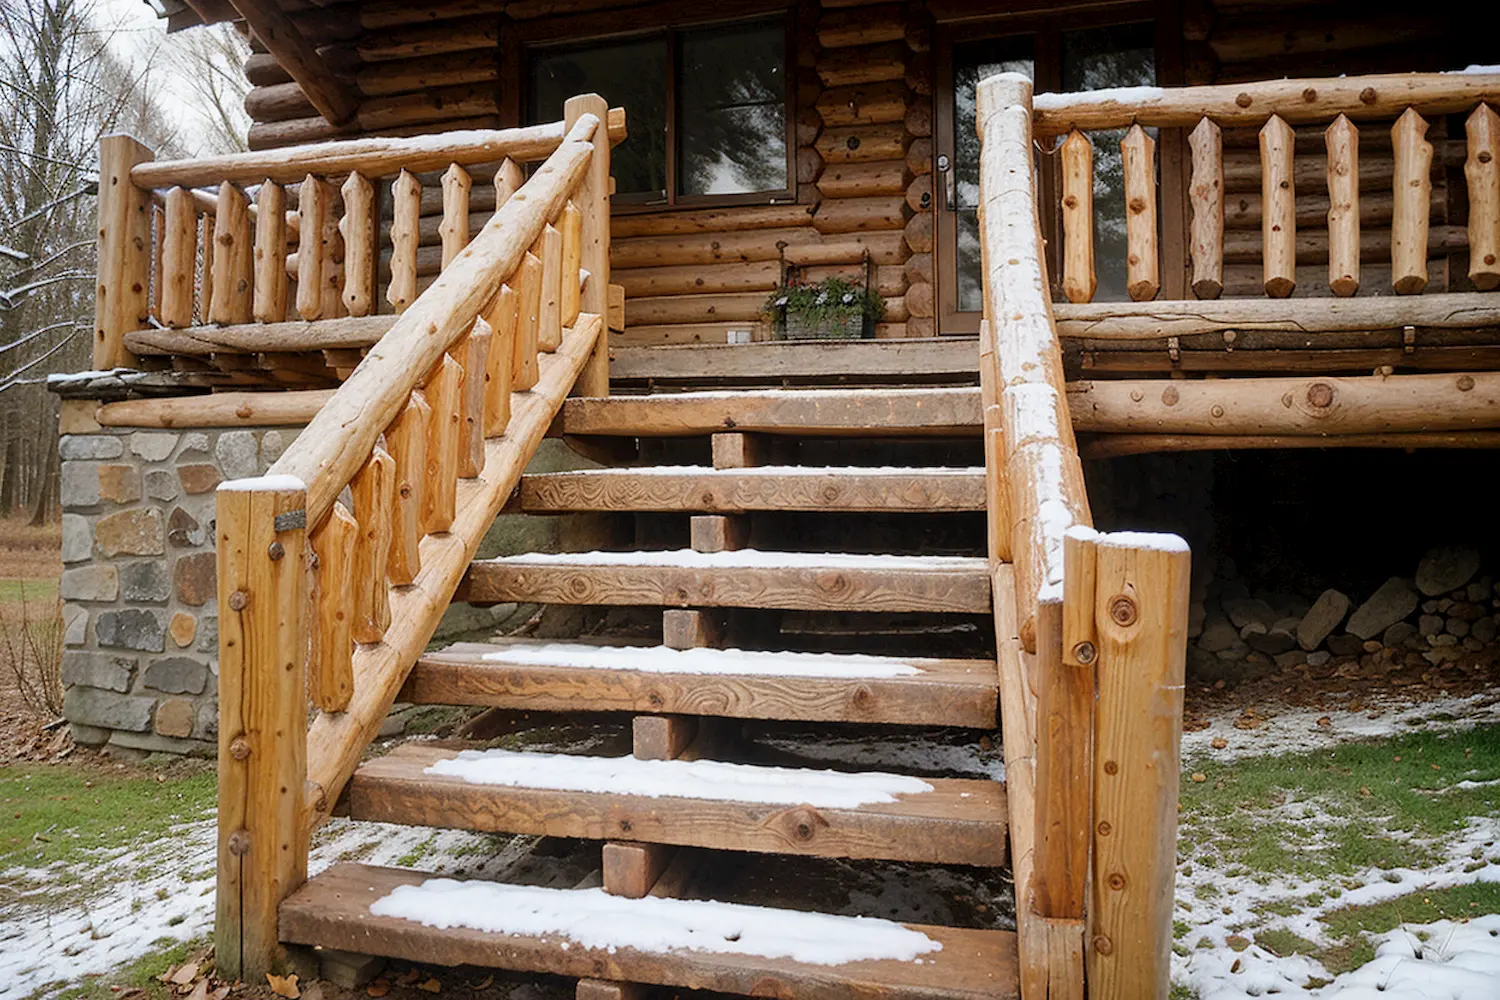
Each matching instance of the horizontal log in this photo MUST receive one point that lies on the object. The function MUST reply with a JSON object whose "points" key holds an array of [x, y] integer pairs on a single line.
{"points": [[436, 103], [757, 276], [1313, 406], [728, 307], [861, 215], [416, 42], [947, 359], [371, 157], [1141, 320], [1361, 98], [1115, 445], [710, 220], [862, 26], [862, 180], [1243, 210], [803, 245], [865, 104], [863, 64], [890, 279], [863, 143], [1311, 246], [409, 75], [345, 333], [278, 102], [221, 409], [1293, 361], [676, 334]]}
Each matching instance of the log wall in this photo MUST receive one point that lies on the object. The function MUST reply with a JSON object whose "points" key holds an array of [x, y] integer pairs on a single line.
{"points": [[863, 116]]}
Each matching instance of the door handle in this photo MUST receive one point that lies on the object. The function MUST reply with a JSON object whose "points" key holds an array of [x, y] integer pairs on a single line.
{"points": [[950, 191]]}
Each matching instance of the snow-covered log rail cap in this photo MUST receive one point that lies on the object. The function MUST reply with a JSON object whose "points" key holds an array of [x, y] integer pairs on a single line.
{"points": [[279, 483]]}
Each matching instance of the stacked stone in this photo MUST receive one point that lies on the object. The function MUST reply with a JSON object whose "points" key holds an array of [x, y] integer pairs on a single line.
{"points": [[138, 585], [1446, 613]]}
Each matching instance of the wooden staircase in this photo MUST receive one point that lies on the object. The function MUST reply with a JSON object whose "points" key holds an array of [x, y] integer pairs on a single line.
{"points": [[687, 698]]}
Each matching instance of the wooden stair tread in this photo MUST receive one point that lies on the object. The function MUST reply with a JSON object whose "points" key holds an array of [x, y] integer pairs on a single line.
{"points": [[808, 582], [845, 412], [767, 488], [960, 821], [332, 910], [947, 692]]}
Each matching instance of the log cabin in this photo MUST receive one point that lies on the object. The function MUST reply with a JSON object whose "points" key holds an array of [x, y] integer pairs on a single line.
{"points": [[1103, 233]]}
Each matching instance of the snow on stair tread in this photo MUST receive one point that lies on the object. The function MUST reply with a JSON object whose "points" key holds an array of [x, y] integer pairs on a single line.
{"points": [[744, 578], [712, 804], [333, 910], [821, 687], [778, 487]]}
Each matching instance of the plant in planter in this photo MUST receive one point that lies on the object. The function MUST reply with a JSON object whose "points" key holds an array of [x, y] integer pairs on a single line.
{"points": [[832, 309]]}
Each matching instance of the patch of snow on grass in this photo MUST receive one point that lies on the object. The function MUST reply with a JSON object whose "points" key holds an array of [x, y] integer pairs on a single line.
{"points": [[736, 662], [1296, 730], [596, 920], [698, 779]]}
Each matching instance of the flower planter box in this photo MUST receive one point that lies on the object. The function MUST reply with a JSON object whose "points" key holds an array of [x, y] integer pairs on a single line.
{"points": [[795, 327]]}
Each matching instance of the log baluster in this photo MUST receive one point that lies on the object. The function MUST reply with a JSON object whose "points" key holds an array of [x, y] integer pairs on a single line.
{"points": [[454, 229], [524, 371], [501, 317], [508, 180], [179, 251], [314, 206], [1076, 160], [158, 257], [473, 353], [592, 197], [1342, 138], [406, 440], [233, 263], [330, 667], [1412, 187], [1482, 173], [1206, 192], [122, 301], [1143, 268], [549, 316], [373, 490], [331, 244], [440, 492], [270, 253], [572, 263], [206, 282], [1278, 208], [361, 252], [406, 220]]}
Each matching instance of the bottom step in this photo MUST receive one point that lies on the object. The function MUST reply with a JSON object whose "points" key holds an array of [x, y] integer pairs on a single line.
{"points": [[559, 931]]}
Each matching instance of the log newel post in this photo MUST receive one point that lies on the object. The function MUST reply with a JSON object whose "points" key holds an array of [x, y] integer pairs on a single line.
{"points": [[123, 300], [1140, 619], [262, 845], [592, 199]]}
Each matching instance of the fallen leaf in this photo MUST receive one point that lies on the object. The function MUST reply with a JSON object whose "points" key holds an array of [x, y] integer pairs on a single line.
{"points": [[284, 986], [1235, 967], [430, 985], [408, 977], [220, 993], [1364, 790], [1220, 743], [378, 988], [1199, 777], [200, 991], [1325, 722], [184, 975]]}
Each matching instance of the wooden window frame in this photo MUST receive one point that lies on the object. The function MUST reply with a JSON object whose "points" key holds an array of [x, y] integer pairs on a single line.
{"points": [[1047, 30], [520, 40]]}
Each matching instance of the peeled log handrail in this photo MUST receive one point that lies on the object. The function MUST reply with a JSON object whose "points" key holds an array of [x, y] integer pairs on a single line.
{"points": [[1360, 98], [371, 157], [1182, 318], [338, 440]]}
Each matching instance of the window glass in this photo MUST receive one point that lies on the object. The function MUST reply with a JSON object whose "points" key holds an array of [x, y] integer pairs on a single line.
{"points": [[973, 62], [1093, 59], [732, 110], [632, 75]]}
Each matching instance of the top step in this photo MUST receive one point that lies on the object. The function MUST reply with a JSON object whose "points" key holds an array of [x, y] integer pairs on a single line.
{"points": [[835, 412]]}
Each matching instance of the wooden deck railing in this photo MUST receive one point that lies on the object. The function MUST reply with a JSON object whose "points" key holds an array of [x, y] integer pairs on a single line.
{"points": [[1091, 631], [1395, 180], [333, 600]]}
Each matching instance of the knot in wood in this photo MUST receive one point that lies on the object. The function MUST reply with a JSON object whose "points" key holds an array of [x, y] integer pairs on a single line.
{"points": [[1243, 99], [1071, 201], [1217, 410], [239, 843], [1484, 156], [1116, 881], [1136, 395], [852, 143], [1309, 95], [1170, 395], [803, 824], [239, 600], [239, 748], [1122, 610], [1103, 945], [1104, 828], [1368, 95], [656, 700], [1465, 383], [1110, 767], [1320, 395], [1085, 652], [1138, 204], [275, 551], [625, 826]]}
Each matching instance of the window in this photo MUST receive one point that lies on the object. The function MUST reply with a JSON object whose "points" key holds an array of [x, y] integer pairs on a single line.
{"points": [[707, 109]]}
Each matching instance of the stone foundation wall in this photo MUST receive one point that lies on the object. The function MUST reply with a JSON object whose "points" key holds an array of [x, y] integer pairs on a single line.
{"points": [[138, 586]]}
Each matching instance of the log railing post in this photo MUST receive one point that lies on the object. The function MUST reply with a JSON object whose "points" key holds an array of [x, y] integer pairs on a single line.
{"points": [[1142, 260], [123, 300], [1482, 172], [1076, 158], [592, 199], [262, 847], [1206, 192], [1413, 203], [1140, 619]]}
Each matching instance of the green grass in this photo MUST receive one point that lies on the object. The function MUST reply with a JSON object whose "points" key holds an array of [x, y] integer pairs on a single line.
{"points": [[37, 590], [1281, 942], [52, 813], [144, 974], [1457, 903], [1391, 799]]}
